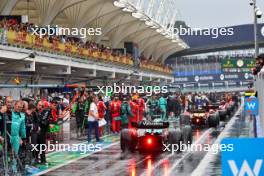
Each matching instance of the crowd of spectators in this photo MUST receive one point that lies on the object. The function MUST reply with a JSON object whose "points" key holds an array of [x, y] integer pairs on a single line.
{"points": [[20, 34]]}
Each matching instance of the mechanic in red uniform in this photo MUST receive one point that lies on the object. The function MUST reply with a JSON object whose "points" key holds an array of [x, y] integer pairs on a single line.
{"points": [[115, 106], [135, 111], [53, 120], [101, 113], [141, 107]]}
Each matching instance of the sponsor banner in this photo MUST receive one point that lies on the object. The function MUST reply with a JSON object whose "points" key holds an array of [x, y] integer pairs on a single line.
{"points": [[232, 83], [244, 83], [236, 70], [204, 78], [213, 84], [252, 106], [190, 85], [218, 84], [181, 79], [215, 78], [204, 85], [232, 63], [242, 157], [196, 72]]}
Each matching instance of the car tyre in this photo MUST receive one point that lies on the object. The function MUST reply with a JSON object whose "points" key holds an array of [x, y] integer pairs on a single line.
{"points": [[128, 141]]}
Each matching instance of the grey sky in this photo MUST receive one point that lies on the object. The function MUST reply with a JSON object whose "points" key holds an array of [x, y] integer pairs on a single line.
{"points": [[217, 13]]}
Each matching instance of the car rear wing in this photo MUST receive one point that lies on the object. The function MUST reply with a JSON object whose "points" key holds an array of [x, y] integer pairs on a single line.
{"points": [[212, 106], [150, 125], [198, 110]]}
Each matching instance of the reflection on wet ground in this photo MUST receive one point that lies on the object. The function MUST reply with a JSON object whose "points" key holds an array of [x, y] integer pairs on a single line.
{"points": [[240, 128], [112, 162]]}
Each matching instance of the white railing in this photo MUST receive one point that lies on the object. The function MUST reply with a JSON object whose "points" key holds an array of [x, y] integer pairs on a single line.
{"points": [[259, 84]]}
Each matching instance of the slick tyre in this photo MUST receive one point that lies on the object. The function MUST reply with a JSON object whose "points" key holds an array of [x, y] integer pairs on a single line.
{"points": [[222, 115], [174, 137], [212, 121], [187, 134], [128, 141]]}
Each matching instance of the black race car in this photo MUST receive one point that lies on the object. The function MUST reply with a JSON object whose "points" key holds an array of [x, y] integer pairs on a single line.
{"points": [[203, 117], [150, 136]]}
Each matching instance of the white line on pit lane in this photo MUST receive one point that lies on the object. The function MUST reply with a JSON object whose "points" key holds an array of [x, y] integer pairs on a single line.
{"points": [[71, 161], [204, 135], [200, 169]]}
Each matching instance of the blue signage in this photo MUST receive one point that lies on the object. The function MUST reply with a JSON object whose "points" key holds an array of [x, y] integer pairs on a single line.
{"points": [[251, 106], [236, 77], [242, 157]]}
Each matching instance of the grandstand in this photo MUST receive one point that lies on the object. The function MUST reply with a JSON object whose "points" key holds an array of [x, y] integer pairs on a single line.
{"points": [[135, 40]]}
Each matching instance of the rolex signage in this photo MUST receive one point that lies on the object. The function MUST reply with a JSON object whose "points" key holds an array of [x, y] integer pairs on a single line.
{"points": [[228, 63], [238, 64], [250, 63]]}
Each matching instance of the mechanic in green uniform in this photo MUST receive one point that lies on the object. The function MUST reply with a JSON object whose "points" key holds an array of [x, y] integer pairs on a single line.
{"points": [[125, 113], [163, 106], [153, 106], [16, 128]]}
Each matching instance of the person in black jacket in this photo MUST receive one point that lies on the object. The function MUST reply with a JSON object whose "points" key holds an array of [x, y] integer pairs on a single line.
{"points": [[36, 129], [44, 115], [79, 114]]}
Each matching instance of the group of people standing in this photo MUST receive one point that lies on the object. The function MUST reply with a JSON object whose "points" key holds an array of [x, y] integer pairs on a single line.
{"points": [[29, 121], [22, 123]]}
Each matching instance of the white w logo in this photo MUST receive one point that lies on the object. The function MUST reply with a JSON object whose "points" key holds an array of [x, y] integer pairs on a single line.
{"points": [[251, 105], [245, 169]]}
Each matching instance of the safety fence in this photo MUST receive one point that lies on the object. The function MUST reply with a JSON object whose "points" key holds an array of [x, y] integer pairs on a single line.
{"points": [[27, 40], [259, 85]]}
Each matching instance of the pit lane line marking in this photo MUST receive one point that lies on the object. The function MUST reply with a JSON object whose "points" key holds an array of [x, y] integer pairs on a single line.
{"points": [[52, 153], [200, 169], [71, 161], [183, 156], [210, 130]]}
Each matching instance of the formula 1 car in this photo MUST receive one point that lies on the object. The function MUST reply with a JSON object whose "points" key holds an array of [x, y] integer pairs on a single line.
{"points": [[203, 117], [150, 136]]}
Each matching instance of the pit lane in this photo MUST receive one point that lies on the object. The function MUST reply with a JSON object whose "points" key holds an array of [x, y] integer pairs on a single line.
{"points": [[112, 162]]}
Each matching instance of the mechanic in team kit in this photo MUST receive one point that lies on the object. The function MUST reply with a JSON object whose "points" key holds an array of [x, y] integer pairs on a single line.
{"points": [[125, 112], [115, 114]]}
